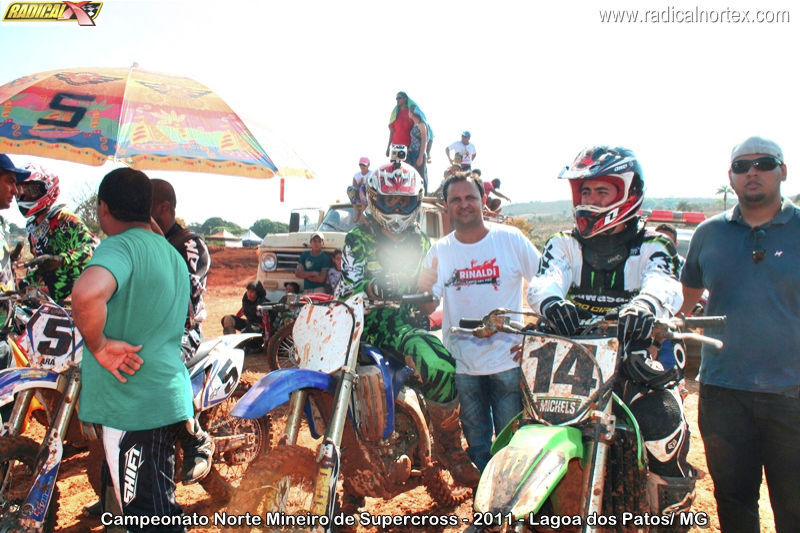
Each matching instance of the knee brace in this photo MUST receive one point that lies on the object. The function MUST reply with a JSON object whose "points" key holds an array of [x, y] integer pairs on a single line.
{"points": [[661, 419]]}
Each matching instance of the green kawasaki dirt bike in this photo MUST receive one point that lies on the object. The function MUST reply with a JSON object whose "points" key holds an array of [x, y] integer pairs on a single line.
{"points": [[574, 459]]}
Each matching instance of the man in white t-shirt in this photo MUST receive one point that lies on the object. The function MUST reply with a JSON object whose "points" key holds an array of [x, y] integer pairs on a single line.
{"points": [[465, 148], [475, 269]]}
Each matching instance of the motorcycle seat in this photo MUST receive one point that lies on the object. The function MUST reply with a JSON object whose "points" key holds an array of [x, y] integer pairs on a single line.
{"points": [[202, 352]]}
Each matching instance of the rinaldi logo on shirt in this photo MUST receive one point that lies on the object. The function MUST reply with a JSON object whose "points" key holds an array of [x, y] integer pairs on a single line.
{"points": [[84, 12], [475, 274], [133, 459]]}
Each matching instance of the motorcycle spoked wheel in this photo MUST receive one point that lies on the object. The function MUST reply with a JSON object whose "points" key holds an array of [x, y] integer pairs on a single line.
{"points": [[280, 348], [625, 487], [281, 481], [442, 488], [17, 463], [229, 467]]}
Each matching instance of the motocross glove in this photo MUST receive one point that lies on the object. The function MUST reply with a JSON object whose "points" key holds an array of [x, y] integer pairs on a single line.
{"points": [[562, 314], [46, 262], [636, 320], [381, 291]]}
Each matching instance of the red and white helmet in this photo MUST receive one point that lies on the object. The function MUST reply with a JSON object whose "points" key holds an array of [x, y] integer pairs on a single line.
{"points": [[616, 165], [38, 192], [394, 196]]}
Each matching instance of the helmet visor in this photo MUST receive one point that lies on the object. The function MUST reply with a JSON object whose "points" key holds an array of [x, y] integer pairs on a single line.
{"points": [[29, 191], [396, 204]]}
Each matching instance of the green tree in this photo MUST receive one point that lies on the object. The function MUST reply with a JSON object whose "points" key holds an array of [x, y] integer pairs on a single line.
{"points": [[215, 224], [686, 205], [86, 209], [724, 190], [265, 226]]}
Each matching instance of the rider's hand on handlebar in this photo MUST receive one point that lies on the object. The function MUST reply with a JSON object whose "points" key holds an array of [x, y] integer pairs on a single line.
{"points": [[562, 314], [379, 291], [46, 262], [636, 321]]}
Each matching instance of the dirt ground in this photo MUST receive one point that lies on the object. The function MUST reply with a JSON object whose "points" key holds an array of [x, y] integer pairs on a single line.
{"points": [[231, 269]]}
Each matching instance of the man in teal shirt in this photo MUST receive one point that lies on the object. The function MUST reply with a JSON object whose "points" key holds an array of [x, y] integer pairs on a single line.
{"points": [[313, 265], [130, 307]]}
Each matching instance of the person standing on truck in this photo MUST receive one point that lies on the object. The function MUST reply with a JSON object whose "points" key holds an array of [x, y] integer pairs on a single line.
{"points": [[357, 191], [383, 258], [313, 265]]}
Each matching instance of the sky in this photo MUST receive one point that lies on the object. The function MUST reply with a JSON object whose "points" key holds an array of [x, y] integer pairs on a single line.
{"points": [[534, 82]]}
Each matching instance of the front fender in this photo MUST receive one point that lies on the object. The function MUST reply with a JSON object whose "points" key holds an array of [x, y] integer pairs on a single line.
{"points": [[14, 380], [274, 390], [520, 477]]}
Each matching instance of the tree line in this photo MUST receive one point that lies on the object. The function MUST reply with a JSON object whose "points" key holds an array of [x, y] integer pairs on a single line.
{"points": [[86, 208]]}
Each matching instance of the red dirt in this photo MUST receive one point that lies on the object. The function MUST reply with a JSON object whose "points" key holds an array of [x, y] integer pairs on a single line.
{"points": [[231, 269]]}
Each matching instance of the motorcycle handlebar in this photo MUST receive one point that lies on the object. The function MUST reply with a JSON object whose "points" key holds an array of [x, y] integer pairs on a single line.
{"points": [[418, 298], [470, 323], [704, 322]]}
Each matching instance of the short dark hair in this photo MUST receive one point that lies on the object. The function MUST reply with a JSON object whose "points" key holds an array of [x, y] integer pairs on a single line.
{"points": [[163, 192], [477, 171], [128, 194], [456, 178], [666, 228], [496, 183], [336, 252], [293, 284], [256, 286]]}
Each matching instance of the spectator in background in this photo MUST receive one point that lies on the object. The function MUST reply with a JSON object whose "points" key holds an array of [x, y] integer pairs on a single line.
{"points": [[357, 191], [60, 242], [749, 407], [196, 443], [416, 156], [195, 253], [492, 187], [246, 319], [454, 170], [465, 148], [672, 234], [313, 265], [400, 122], [334, 273]]}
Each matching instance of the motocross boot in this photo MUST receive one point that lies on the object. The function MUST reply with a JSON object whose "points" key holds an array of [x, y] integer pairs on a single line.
{"points": [[446, 422], [198, 451]]}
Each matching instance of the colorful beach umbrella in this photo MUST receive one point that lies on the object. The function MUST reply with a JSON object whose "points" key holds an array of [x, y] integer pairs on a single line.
{"points": [[144, 119]]}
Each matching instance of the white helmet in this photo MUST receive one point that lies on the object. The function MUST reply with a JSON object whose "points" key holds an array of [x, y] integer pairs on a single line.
{"points": [[394, 196]]}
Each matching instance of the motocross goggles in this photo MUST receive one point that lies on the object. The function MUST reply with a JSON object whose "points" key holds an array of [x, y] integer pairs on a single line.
{"points": [[396, 204]]}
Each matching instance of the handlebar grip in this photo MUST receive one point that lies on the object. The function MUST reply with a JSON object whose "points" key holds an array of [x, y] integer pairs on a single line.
{"points": [[704, 322], [470, 323], [420, 298]]}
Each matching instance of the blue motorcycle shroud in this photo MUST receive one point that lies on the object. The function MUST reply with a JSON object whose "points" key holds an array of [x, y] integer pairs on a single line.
{"points": [[275, 389]]}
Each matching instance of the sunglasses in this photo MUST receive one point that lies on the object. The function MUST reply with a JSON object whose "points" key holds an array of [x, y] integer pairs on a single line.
{"points": [[758, 245], [740, 166]]}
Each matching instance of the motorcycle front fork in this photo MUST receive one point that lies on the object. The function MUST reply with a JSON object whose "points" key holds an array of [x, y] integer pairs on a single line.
{"points": [[596, 449], [16, 421]]}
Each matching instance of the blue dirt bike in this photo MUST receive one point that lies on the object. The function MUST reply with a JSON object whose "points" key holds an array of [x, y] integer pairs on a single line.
{"points": [[28, 469], [376, 432]]}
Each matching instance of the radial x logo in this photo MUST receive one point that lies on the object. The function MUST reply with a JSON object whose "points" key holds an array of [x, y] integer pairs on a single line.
{"points": [[83, 12]]}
